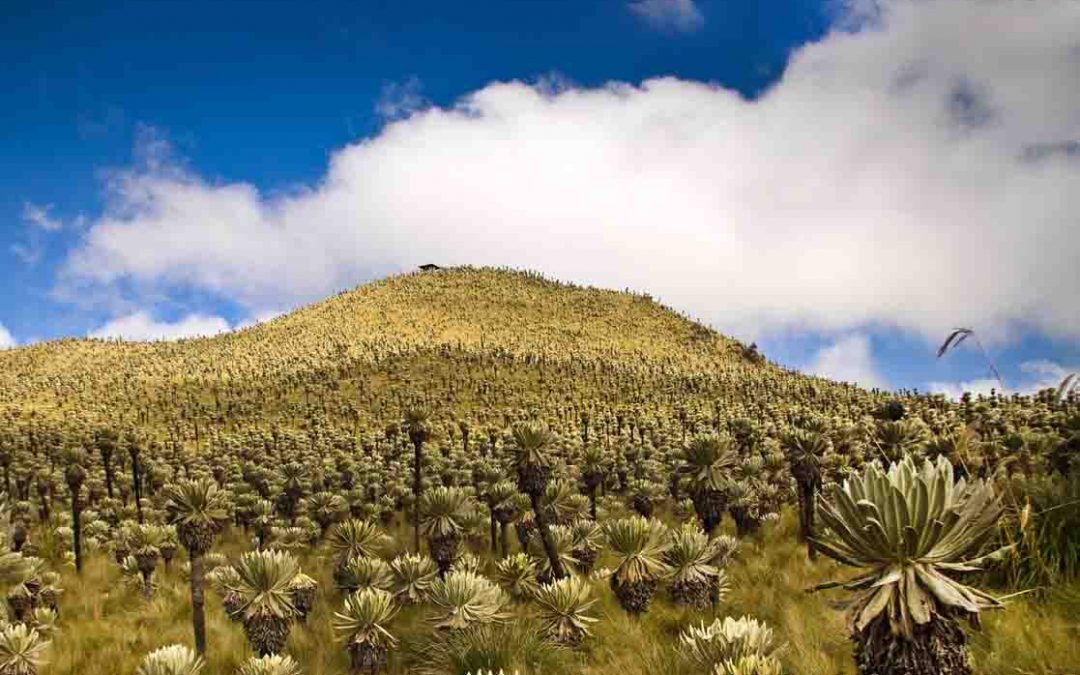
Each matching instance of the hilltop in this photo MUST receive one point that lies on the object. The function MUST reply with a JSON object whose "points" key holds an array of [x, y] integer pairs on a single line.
{"points": [[451, 336]]}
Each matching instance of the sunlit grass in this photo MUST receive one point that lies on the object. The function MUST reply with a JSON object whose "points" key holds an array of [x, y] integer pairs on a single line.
{"points": [[1032, 637], [106, 627]]}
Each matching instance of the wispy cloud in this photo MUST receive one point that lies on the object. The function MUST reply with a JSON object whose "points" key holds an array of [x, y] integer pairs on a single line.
{"points": [[675, 15], [38, 216], [28, 254], [40, 223], [401, 99]]}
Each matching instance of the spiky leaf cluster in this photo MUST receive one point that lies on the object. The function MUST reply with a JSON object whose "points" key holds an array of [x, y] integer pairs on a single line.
{"points": [[910, 528]]}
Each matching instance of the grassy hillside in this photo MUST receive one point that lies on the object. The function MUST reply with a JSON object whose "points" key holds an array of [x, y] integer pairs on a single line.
{"points": [[475, 310], [460, 338], [317, 418]]}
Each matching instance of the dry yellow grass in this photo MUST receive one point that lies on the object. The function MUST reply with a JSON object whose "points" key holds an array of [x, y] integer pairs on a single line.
{"points": [[107, 627]]}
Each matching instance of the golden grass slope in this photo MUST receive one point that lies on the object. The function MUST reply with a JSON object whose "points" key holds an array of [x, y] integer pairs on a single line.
{"points": [[475, 312]]}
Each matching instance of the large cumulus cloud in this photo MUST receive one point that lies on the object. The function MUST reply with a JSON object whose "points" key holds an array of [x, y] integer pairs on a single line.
{"points": [[920, 172]]}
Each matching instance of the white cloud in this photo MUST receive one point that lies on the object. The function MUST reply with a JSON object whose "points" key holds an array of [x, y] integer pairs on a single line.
{"points": [[257, 319], [401, 99], [849, 359], [954, 390], [28, 254], [679, 15], [141, 326], [38, 216], [913, 175], [7, 340], [39, 220], [1035, 377]]}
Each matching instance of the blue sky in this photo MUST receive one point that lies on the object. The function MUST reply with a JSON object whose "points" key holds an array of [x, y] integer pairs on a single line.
{"points": [[841, 181]]}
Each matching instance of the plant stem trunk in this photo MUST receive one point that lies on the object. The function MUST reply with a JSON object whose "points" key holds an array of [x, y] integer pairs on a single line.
{"points": [[198, 609], [806, 519], [937, 648], [108, 478], [76, 526], [545, 537], [417, 453], [138, 488]]}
